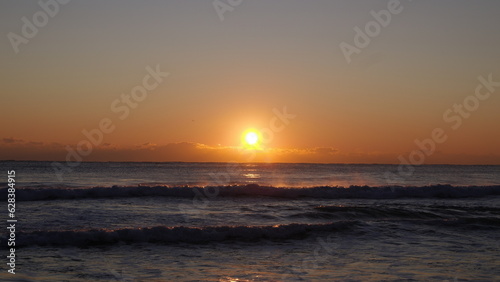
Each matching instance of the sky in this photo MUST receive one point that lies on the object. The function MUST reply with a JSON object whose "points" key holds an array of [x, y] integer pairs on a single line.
{"points": [[319, 81]]}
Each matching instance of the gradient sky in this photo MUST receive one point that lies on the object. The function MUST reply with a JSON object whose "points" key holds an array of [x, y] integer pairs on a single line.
{"points": [[228, 76]]}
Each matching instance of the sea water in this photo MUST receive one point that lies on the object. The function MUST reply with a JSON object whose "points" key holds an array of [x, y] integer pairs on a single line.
{"points": [[254, 222]]}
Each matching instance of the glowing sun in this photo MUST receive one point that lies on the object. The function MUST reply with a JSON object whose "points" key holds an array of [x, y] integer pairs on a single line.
{"points": [[251, 138]]}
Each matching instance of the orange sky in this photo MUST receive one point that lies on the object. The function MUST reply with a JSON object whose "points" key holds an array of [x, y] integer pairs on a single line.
{"points": [[199, 83]]}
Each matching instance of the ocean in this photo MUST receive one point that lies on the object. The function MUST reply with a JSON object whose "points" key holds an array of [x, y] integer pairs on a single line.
{"points": [[113, 221]]}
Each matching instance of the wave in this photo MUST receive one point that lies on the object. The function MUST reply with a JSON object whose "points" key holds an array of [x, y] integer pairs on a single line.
{"points": [[254, 190], [467, 214], [373, 212], [231, 234], [170, 235], [482, 215]]}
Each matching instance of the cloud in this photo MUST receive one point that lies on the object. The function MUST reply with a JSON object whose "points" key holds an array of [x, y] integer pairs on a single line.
{"points": [[324, 150], [12, 140], [18, 149]]}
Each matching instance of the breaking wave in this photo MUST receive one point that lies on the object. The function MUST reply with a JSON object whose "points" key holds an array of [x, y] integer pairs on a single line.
{"points": [[172, 235], [254, 190]]}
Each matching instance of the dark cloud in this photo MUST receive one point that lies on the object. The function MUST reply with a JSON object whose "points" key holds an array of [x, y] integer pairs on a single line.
{"points": [[11, 140]]}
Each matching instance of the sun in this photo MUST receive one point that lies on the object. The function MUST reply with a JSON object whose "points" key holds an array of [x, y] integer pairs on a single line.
{"points": [[251, 139]]}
